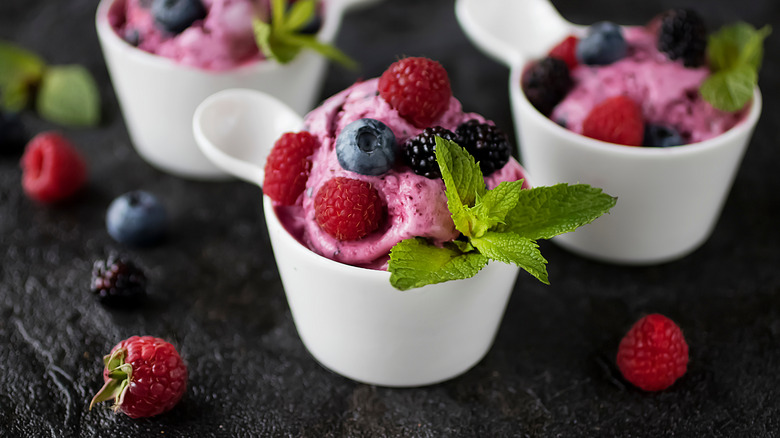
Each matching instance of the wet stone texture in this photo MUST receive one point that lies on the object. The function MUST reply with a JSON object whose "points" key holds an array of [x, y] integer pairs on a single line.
{"points": [[216, 294]]}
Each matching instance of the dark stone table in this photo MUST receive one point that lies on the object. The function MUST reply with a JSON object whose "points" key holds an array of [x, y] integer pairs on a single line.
{"points": [[217, 295]]}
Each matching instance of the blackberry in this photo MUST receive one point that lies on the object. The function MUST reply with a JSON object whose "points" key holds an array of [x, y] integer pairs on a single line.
{"points": [[545, 83], [683, 35], [420, 152], [488, 144], [118, 283]]}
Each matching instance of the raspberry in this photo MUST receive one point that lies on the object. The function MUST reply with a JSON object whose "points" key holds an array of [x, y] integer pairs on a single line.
{"points": [[486, 143], [418, 88], [347, 208], [545, 83], [566, 51], [615, 120], [53, 170], [144, 375], [683, 35], [653, 354], [118, 282], [288, 167], [420, 152]]}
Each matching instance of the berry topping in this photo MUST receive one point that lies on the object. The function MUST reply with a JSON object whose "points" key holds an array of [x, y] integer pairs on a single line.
{"points": [[176, 15], [367, 147], [566, 51], [486, 143], [653, 354], [53, 169], [418, 88], [136, 218], [287, 167], [604, 44], [683, 35], [347, 209], [145, 376], [420, 151], [545, 83], [12, 133], [615, 120], [661, 136], [118, 283]]}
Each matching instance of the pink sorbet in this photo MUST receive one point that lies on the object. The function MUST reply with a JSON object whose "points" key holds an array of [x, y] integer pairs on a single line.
{"points": [[667, 91], [416, 206]]}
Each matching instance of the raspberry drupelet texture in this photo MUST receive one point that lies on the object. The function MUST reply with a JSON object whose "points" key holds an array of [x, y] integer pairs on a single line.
{"points": [[418, 88], [288, 167], [420, 152], [616, 120], [653, 354], [488, 144], [53, 169], [347, 208], [683, 35], [546, 82], [566, 51], [118, 282]]}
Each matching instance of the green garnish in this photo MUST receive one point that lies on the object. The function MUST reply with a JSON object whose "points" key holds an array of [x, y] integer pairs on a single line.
{"points": [[280, 39], [735, 53], [502, 224], [66, 95]]}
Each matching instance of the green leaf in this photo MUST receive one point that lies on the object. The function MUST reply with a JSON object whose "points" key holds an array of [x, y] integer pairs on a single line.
{"points": [[463, 182], [69, 96], [491, 209], [730, 90], [735, 45], [512, 248], [415, 263], [752, 53], [15, 95], [300, 13], [19, 71], [545, 212], [326, 50]]}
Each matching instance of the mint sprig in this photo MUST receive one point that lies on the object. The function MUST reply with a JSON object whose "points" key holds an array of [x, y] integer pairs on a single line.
{"points": [[66, 95], [501, 224], [279, 38], [735, 53]]}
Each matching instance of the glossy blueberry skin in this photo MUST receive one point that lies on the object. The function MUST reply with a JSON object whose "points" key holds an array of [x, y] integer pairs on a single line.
{"points": [[662, 136], [367, 147], [136, 218], [176, 15], [604, 44]]}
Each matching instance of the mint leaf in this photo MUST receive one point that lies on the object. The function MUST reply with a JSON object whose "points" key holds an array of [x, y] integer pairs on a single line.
{"points": [[415, 263], [512, 248], [545, 212], [300, 13], [491, 209], [19, 71], [326, 50], [729, 90], [463, 182], [68, 95]]}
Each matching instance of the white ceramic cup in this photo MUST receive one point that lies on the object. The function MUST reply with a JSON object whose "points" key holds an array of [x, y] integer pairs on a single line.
{"points": [[669, 199], [158, 96], [349, 318]]}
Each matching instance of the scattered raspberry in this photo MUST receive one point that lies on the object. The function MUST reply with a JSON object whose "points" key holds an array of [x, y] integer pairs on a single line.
{"points": [[486, 143], [683, 35], [420, 152], [615, 120], [118, 282], [347, 208], [566, 51], [53, 170], [545, 83], [288, 167], [147, 377], [418, 88], [653, 354]]}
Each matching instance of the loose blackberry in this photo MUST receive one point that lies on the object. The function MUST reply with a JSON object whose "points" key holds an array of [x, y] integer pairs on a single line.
{"points": [[420, 152], [546, 83], [118, 283], [683, 35], [488, 144]]}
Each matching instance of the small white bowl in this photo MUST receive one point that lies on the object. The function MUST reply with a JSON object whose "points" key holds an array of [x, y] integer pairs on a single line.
{"points": [[349, 318], [669, 199], [158, 96]]}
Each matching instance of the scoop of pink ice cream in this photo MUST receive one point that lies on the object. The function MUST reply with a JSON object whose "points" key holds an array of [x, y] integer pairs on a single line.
{"points": [[416, 206], [221, 41], [667, 91]]}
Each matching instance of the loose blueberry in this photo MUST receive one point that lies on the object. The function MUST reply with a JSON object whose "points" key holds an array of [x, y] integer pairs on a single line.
{"points": [[136, 218], [12, 133], [604, 44], [367, 147], [176, 15], [662, 136]]}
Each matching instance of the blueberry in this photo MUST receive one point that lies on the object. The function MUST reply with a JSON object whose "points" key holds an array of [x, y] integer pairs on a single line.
{"points": [[12, 133], [662, 136], [604, 44], [176, 15], [136, 218], [367, 147]]}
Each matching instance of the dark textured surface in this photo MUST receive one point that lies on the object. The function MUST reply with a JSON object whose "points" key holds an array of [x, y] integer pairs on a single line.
{"points": [[216, 293]]}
